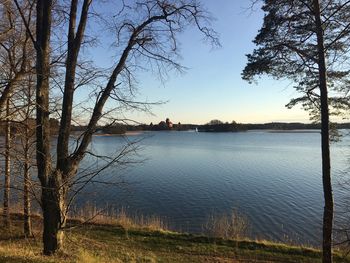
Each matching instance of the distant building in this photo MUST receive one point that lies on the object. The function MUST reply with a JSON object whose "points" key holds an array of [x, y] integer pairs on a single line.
{"points": [[165, 125], [162, 125], [169, 123]]}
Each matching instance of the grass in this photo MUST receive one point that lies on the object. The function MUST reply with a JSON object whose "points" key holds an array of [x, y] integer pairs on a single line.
{"points": [[229, 226], [109, 216], [114, 243]]}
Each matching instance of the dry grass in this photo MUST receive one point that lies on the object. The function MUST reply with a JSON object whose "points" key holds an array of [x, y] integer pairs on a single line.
{"points": [[110, 216], [110, 243], [230, 226], [114, 236]]}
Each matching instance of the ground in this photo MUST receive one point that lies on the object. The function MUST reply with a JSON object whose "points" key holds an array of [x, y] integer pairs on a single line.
{"points": [[113, 243]]}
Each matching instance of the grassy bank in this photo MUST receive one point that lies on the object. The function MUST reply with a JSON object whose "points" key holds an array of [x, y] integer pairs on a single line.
{"points": [[113, 243]]}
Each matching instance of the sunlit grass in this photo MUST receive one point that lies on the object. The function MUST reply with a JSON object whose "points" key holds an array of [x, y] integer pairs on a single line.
{"points": [[92, 214], [117, 243]]}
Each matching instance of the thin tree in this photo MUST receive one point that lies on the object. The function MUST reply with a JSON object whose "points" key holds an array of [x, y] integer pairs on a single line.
{"points": [[27, 141], [24, 147], [7, 174], [308, 44], [15, 53]]}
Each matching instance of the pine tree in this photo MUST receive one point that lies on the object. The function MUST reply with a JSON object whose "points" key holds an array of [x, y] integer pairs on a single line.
{"points": [[307, 42]]}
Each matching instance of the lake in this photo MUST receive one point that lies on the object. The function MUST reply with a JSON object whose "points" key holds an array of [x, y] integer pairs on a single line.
{"points": [[273, 178]]}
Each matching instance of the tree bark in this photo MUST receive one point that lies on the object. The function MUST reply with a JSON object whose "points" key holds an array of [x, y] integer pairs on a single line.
{"points": [[326, 163], [54, 211], [75, 38], [49, 204], [7, 166]]}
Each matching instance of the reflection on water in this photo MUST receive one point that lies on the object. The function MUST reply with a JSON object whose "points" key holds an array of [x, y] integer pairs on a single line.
{"points": [[273, 178]]}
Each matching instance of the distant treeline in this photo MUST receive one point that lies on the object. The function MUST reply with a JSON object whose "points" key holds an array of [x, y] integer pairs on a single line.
{"points": [[213, 127], [293, 126], [283, 126]]}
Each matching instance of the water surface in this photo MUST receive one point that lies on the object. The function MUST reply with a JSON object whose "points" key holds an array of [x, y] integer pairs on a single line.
{"points": [[273, 178]]}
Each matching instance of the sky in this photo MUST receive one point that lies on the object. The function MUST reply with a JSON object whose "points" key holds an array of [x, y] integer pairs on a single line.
{"points": [[211, 87]]}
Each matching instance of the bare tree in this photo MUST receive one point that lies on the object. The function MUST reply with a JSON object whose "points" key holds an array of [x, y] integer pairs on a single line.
{"points": [[7, 176], [16, 49], [27, 142], [24, 147], [15, 53], [146, 32]]}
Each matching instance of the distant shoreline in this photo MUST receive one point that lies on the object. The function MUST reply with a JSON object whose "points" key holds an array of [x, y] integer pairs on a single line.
{"points": [[135, 133], [293, 131], [129, 133], [273, 127]]}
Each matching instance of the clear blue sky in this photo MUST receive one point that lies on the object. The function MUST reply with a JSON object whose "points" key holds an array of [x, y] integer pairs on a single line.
{"points": [[212, 87]]}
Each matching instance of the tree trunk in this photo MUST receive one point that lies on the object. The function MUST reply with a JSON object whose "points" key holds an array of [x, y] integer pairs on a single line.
{"points": [[326, 163], [54, 216], [27, 226], [7, 167], [49, 205]]}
